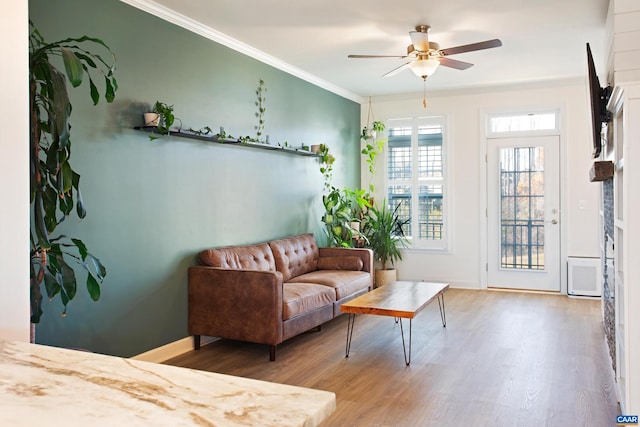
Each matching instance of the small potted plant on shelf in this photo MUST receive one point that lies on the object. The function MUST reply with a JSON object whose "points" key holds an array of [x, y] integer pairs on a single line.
{"points": [[163, 117], [383, 229]]}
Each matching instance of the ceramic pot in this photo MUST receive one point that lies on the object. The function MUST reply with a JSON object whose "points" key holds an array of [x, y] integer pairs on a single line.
{"points": [[384, 277], [151, 119]]}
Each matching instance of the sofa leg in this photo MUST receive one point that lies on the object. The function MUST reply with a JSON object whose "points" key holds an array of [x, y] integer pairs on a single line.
{"points": [[319, 328], [272, 353], [196, 342]]}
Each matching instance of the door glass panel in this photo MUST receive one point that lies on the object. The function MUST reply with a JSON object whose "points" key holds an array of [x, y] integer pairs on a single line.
{"points": [[522, 208]]}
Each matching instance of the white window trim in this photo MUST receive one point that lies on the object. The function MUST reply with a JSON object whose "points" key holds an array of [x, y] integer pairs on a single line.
{"points": [[424, 245]]}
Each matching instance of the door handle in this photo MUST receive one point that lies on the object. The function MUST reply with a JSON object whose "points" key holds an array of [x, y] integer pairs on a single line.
{"points": [[554, 221]]}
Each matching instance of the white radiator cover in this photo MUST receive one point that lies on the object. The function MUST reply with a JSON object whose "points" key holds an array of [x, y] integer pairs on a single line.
{"points": [[584, 276]]}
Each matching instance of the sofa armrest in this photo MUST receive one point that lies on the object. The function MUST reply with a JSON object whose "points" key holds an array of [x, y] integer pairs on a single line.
{"points": [[236, 304], [366, 255]]}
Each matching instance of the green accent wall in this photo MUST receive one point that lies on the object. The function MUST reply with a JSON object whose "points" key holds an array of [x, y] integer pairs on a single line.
{"points": [[153, 205]]}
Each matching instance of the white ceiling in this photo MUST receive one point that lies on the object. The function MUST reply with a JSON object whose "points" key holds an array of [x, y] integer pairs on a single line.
{"points": [[542, 39]]}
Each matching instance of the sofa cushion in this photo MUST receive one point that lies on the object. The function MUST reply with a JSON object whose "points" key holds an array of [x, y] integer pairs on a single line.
{"points": [[302, 298], [249, 257], [344, 282], [295, 255], [340, 263]]}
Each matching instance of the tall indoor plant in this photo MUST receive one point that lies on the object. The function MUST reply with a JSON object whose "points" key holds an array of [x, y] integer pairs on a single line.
{"points": [[383, 230], [55, 186]]}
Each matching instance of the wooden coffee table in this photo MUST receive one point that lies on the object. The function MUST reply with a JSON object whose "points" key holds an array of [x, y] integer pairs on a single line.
{"points": [[402, 300]]}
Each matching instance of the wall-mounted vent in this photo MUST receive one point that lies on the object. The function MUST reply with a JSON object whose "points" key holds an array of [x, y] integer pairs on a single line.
{"points": [[585, 277]]}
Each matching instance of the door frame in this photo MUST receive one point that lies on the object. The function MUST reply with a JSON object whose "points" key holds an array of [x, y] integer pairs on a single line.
{"points": [[484, 177]]}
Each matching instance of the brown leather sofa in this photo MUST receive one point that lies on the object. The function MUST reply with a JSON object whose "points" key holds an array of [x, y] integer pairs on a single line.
{"points": [[269, 292]]}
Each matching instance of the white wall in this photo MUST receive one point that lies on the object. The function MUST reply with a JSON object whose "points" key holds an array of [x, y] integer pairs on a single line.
{"points": [[14, 162], [625, 49], [461, 267]]}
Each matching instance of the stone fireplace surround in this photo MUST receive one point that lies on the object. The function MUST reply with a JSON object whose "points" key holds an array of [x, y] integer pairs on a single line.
{"points": [[608, 271]]}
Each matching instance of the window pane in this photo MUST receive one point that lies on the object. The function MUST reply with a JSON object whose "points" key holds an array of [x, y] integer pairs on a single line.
{"points": [[399, 131], [417, 172], [400, 153], [523, 122], [522, 208], [399, 163], [400, 195], [430, 218], [430, 161]]}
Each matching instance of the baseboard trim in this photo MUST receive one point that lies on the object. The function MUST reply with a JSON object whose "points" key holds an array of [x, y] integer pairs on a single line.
{"points": [[171, 350]]}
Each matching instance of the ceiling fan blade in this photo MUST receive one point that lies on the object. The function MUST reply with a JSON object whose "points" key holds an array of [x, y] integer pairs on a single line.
{"points": [[396, 70], [471, 47], [454, 63], [419, 40], [376, 56]]}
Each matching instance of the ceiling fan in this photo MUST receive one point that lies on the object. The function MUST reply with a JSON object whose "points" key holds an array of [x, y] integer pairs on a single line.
{"points": [[425, 56]]}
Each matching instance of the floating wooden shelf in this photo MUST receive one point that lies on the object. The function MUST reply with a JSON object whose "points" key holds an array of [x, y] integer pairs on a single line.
{"points": [[601, 171], [213, 138]]}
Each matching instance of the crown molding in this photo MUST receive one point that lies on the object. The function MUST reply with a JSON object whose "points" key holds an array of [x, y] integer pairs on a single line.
{"points": [[196, 27]]}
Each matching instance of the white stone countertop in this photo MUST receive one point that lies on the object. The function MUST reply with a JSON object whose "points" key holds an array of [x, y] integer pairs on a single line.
{"points": [[41, 385]]}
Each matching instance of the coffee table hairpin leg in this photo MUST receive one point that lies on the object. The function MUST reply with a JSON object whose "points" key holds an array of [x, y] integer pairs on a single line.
{"points": [[404, 347], [351, 321], [443, 317]]}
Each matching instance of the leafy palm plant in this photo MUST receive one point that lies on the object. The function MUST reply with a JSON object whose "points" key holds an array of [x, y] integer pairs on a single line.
{"points": [[383, 230], [55, 186]]}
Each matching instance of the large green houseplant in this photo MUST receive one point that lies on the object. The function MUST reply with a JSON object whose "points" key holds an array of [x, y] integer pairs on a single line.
{"points": [[55, 186], [383, 230], [344, 210]]}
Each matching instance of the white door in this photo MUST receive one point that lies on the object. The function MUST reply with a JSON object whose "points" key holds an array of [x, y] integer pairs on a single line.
{"points": [[523, 210]]}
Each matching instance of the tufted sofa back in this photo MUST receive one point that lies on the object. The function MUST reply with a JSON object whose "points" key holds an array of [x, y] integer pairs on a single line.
{"points": [[249, 257], [295, 255]]}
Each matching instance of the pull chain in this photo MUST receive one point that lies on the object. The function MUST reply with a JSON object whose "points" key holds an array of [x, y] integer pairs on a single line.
{"points": [[424, 92]]}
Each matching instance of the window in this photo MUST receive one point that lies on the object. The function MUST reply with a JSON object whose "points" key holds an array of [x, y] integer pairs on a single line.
{"points": [[416, 179], [524, 122]]}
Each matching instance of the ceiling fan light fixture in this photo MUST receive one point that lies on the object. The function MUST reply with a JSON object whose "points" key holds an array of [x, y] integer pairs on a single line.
{"points": [[424, 67]]}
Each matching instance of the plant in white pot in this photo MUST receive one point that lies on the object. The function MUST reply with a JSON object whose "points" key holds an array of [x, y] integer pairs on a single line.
{"points": [[162, 118], [383, 230]]}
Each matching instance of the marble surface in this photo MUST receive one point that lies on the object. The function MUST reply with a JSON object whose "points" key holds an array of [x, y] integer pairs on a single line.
{"points": [[42, 385]]}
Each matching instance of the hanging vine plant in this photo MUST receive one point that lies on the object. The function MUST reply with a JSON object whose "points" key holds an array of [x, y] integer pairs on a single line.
{"points": [[326, 165], [260, 104], [55, 186]]}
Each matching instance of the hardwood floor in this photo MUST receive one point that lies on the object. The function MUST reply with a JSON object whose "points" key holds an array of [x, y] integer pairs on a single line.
{"points": [[504, 359]]}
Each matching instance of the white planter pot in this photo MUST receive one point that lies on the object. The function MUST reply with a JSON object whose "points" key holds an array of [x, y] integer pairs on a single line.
{"points": [[151, 119], [384, 277]]}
